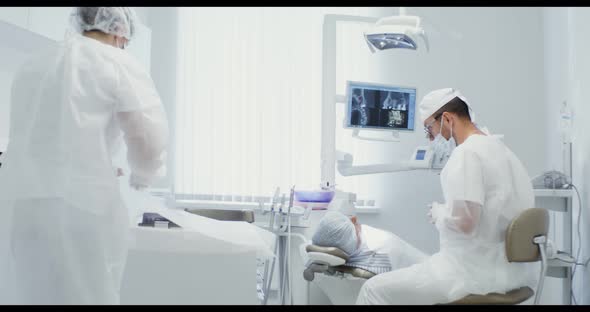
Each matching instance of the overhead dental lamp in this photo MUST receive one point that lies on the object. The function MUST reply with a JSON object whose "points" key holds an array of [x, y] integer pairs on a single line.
{"points": [[396, 32], [402, 32]]}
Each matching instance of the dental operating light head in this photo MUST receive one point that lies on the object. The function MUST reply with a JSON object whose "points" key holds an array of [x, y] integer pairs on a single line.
{"points": [[396, 32]]}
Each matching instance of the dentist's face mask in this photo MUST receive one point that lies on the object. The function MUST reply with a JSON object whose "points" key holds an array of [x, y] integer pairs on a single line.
{"points": [[442, 147]]}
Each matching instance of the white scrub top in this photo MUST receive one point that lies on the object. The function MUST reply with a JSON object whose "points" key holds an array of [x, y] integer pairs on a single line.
{"points": [[485, 187], [484, 172]]}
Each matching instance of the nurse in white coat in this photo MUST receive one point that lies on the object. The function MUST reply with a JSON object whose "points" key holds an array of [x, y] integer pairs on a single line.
{"points": [[485, 187], [72, 106]]}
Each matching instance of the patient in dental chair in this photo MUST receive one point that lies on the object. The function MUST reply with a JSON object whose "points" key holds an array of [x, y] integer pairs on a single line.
{"points": [[368, 248]]}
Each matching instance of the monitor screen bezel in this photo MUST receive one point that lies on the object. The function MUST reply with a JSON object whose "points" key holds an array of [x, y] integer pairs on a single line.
{"points": [[350, 84]]}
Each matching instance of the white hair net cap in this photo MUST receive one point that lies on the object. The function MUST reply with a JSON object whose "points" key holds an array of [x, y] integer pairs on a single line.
{"points": [[118, 21], [436, 99], [336, 230]]}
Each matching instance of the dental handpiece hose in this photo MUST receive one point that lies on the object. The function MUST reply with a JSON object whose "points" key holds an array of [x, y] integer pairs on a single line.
{"points": [[283, 253], [281, 226], [291, 198], [272, 209]]}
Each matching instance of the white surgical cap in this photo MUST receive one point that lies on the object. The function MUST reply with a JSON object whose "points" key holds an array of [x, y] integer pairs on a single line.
{"points": [[436, 99], [118, 21], [336, 230]]}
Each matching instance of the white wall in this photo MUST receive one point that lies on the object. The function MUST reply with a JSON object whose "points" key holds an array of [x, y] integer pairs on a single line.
{"points": [[556, 81], [499, 68], [567, 71], [555, 92], [142, 13]]}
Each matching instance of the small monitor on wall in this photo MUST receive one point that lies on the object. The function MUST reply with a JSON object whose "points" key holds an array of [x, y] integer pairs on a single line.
{"points": [[380, 107]]}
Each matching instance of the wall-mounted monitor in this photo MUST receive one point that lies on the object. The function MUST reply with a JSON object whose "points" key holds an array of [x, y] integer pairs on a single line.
{"points": [[380, 107]]}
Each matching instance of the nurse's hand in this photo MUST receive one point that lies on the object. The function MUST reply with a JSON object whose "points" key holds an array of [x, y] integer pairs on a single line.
{"points": [[436, 211], [430, 217]]}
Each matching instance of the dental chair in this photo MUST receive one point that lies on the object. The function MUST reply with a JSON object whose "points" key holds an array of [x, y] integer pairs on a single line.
{"points": [[330, 260], [526, 240], [341, 284]]}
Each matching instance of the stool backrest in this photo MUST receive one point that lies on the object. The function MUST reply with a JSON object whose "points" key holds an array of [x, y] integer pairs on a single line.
{"points": [[521, 232]]}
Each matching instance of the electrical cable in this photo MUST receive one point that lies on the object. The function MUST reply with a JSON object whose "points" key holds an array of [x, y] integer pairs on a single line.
{"points": [[579, 246]]}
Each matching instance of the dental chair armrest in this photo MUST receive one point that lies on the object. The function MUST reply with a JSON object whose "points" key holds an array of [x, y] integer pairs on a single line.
{"points": [[330, 259], [324, 258], [309, 273], [321, 259], [355, 272]]}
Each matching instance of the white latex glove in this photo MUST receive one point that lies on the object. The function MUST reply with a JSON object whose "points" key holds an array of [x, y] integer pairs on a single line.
{"points": [[429, 214], [435, 212]]}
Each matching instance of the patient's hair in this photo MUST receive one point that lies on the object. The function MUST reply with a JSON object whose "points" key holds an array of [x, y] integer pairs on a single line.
{"points": [[336, 230], [456, 106]]}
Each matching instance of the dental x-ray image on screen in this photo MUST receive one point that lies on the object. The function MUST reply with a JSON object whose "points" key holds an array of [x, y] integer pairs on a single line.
{"points": [[380, 107]]}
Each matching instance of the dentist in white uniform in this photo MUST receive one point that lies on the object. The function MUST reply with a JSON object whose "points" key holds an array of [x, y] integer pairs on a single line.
{"points": [[485, 187]]}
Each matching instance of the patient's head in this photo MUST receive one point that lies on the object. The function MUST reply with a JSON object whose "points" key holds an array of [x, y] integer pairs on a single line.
{"points": [[337, 230]]}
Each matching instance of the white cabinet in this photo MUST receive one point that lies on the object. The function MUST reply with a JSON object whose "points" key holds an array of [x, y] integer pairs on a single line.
{"points": [[51, 22], [18, 16]]}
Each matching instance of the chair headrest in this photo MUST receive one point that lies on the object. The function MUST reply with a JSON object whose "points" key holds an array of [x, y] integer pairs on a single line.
{"points": [[333, 251], [521, 232]]}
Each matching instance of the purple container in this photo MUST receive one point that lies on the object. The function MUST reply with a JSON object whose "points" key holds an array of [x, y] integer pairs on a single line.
{"points": [[314, 196]]}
